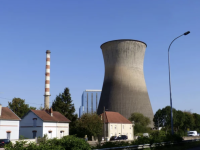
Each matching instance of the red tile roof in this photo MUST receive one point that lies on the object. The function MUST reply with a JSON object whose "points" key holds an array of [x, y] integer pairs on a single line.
{"points": [[7, 114], [57, 117], [115, 117]]}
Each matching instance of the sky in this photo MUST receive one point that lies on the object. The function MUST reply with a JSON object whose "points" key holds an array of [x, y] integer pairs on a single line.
{"points": [[74, 31]]}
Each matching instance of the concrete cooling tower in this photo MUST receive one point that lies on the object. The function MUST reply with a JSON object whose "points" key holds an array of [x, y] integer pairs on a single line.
{"points": [[124, 88]]}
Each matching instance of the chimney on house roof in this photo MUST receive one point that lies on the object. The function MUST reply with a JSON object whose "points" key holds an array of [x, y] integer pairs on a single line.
{"points": [[51, 112], [0, 109]]}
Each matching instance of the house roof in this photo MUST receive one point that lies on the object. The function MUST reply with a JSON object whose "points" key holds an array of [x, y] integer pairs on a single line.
{"points": [[115, 117], [57, 116], [8, 114]]}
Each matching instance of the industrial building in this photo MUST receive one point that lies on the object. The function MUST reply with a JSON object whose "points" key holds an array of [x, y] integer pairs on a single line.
{"points": [[89, 101]]}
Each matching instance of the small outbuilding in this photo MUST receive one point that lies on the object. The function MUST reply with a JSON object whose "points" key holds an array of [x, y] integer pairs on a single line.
{"points": [[9, 124], [37, 123]]}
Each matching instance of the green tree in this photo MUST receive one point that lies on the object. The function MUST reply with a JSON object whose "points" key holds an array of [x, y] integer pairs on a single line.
{"points": [[163, 116], [32, 108], [179, 121], [19, 107], [158, 118], [189, 122], [63, 104], [196, 121], [141, 123], [89, 124]]}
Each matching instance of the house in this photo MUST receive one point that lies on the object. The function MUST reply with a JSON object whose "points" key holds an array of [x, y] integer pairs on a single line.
{"points": [[116, 125], [9, 124], [37, 123]]}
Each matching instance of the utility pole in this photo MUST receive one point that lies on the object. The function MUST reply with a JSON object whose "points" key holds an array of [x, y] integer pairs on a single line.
{"points": [[104, 128]]}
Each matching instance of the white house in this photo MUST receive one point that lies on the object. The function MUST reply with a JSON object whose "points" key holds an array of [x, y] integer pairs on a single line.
{"points": [[9, 124], [116, 125], [37, 123]]}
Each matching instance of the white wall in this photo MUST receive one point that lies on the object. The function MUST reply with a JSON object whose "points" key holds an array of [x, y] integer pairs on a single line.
{"points": [[55, 128], [27, 128], [50, 126], [62, 127], [120, 129], [8, 125]]}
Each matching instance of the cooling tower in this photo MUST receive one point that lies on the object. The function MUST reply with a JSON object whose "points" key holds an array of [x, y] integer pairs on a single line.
{"points": [[124, 88]]}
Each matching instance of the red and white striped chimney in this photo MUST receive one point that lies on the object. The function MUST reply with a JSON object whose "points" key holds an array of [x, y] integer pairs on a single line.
{"points": [[47, 81]]}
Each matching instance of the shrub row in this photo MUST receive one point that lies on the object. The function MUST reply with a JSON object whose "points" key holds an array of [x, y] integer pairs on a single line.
{"points": [[155, 137], [67, 142]]}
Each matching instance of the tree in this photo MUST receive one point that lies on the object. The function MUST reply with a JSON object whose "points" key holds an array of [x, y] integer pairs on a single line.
{"points": [[196, 121], [158, 118], [179, 121], [182, 121], [163, 116], [63, 104], [189, 121], [19, 107], [141, 122], [89, 124], [32, 108]]}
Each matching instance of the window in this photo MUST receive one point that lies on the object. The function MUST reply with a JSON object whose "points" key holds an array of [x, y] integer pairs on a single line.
{"points": [[123, 126], [34, 122], [8, 134], [61, 134], [130, 126], [115, 126], [34, 134], [50, 134], [111, 126]]}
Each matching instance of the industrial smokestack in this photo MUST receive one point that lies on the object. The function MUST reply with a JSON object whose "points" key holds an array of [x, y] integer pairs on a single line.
{"points": [[47, 81], [0, 109], [124, 88]]}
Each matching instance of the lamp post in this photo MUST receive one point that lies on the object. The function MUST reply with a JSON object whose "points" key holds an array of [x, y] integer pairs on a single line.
{"points": [[104, 124], [133, 124], [186, 33]]}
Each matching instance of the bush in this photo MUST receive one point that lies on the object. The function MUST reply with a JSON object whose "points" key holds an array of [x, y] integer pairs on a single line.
{"points": [[18, 145], [67, 142], [72, 143], [111, 144]]}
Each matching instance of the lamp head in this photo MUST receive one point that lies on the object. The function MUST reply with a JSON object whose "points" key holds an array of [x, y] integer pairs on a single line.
{"points": [[186, 33]]}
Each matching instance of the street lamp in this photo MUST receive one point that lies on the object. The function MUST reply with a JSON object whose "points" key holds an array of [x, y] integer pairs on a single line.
{"points": [[186, 33], [133, 124]]}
